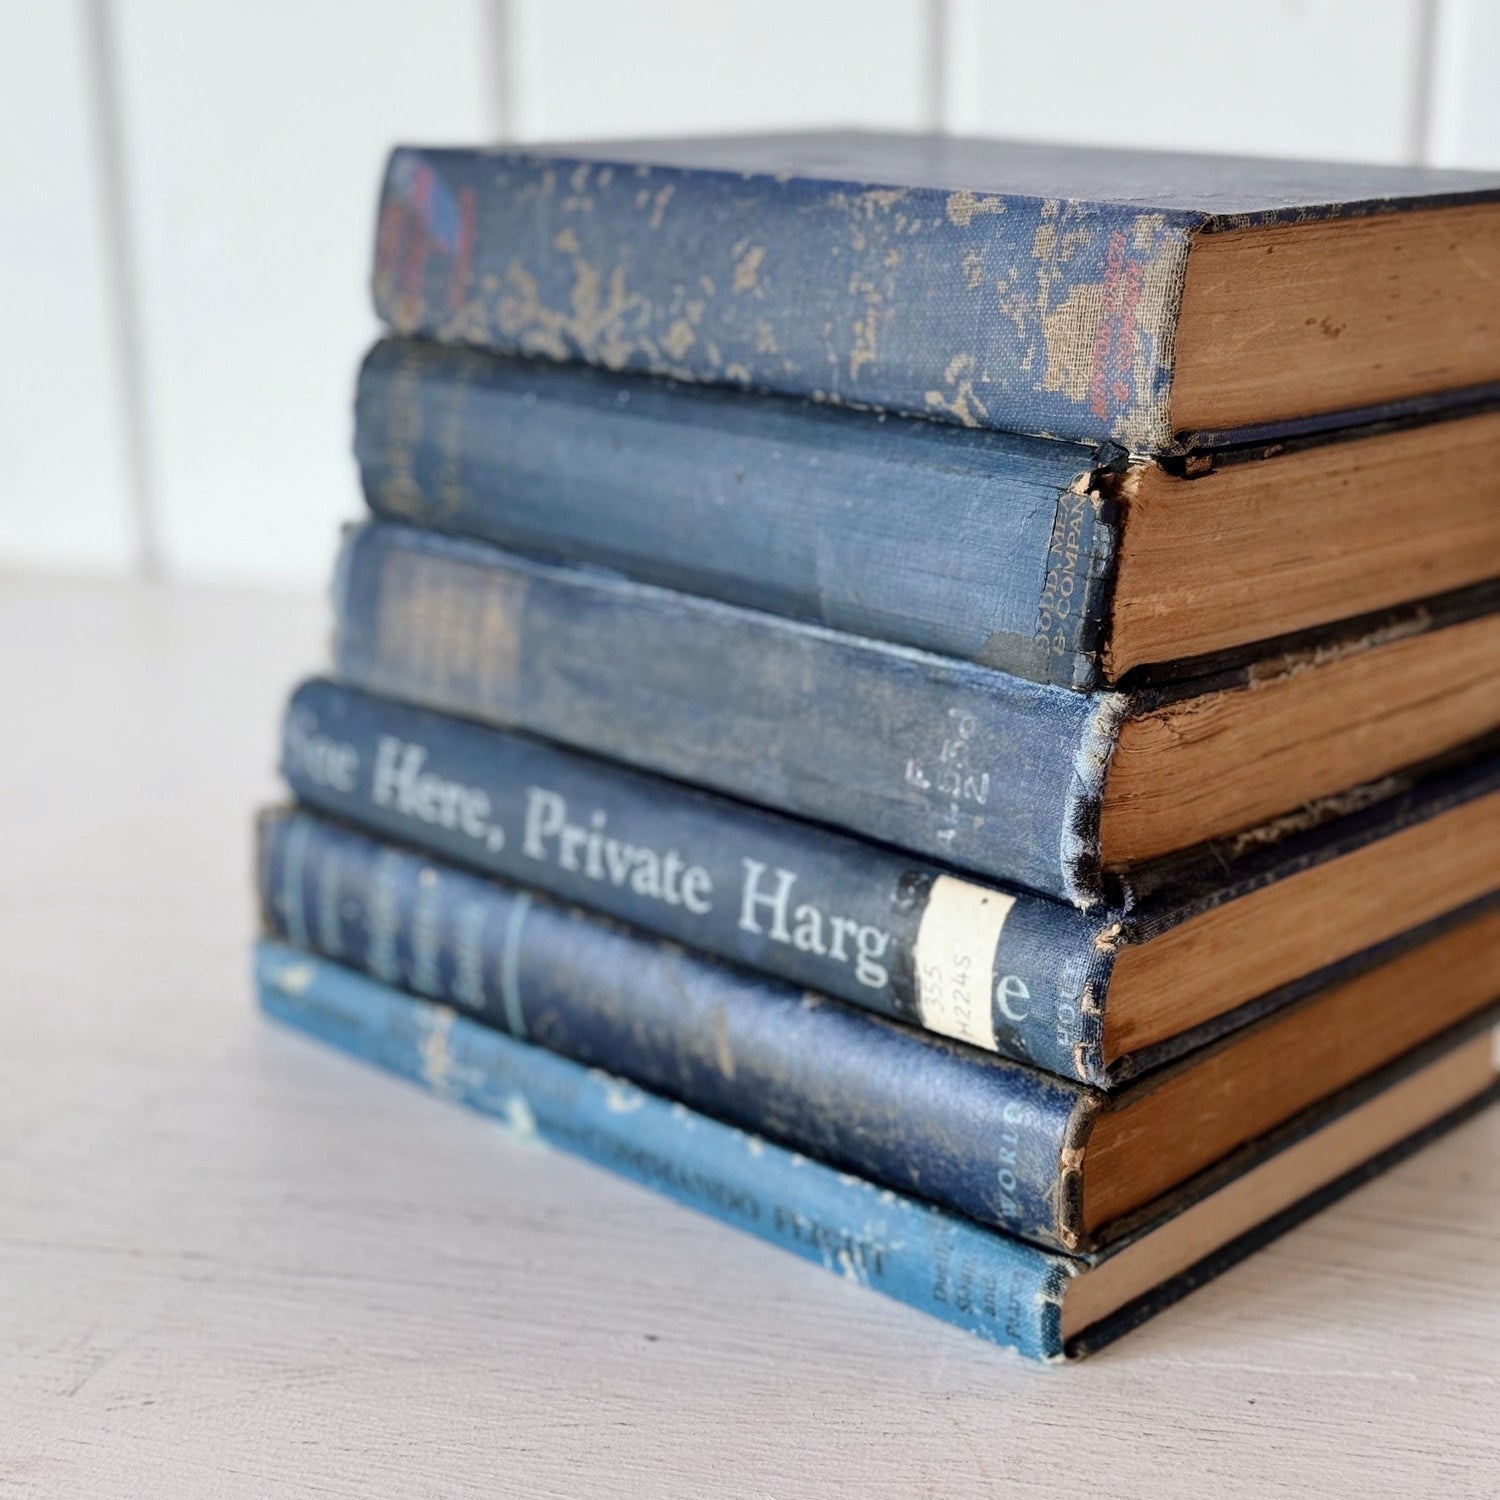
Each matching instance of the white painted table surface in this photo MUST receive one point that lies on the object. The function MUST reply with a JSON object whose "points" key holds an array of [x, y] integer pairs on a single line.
{"points": [[234, 1263]]}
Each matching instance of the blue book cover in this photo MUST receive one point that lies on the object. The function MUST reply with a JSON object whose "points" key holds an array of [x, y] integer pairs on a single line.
{"points": [[981, 546], [996, 966], [1028, 287], [999, 1288], [977, 545], [960, 764], [1002, 1143]]}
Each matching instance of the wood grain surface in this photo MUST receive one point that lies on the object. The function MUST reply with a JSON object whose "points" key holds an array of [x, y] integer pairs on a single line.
{"points": [[232, 1263]]}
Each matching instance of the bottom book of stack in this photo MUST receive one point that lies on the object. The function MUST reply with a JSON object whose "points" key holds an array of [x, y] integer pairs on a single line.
{"points": [[1037, 1213]]}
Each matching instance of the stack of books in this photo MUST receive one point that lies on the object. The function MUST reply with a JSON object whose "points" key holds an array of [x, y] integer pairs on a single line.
{"points": [[935, 700]]}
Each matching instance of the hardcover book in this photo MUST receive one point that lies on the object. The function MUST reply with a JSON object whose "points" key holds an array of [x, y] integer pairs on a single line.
{"points": [[1164, 301], [1063, 792], [1207, 943], [1042, 1304], [1055, 561], [1049, 1160]]}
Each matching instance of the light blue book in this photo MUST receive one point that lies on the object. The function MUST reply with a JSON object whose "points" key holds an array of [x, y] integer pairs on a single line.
{"points": [[1042, 1304]]}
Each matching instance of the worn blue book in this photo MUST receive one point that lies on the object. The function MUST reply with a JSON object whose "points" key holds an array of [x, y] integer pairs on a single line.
{"points": [[1159, 300], [1207, 944], [1062, 792], [1041, 1304], [1050, 1160], [1054, 561], [978, 545]]}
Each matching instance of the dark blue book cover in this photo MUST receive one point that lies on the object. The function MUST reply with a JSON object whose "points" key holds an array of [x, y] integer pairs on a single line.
{"points": [[996, 966], [977, 545], [956, 763], [1027, 287], [997, 1141], [999, 1288], [972, 767], [981, 546]]}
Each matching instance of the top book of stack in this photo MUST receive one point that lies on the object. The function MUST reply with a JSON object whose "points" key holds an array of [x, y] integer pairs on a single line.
{"points": [[1168, 303]]}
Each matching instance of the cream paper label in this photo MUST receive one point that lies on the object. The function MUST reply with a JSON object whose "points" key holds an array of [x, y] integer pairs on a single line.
{"points": [[955, 959]]}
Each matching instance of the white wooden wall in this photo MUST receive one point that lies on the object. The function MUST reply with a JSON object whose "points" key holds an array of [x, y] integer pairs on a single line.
{"points": [[189, 191]]}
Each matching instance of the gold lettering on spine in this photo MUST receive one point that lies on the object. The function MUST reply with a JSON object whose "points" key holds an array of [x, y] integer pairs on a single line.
{"points": [[452, 626]]}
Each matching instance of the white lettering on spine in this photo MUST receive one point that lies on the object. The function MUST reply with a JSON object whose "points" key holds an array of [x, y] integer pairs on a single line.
{"points": [[766, 910], [590, 850], [1011, 995], [753, 899], [324, 760], [400, 782]]}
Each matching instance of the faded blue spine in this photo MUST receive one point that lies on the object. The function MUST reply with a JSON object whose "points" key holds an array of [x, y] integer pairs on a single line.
{"points": [[829, 913], [961, 1128], [1028, 311], [971, 767], [976, 545], [1002, 1290]]}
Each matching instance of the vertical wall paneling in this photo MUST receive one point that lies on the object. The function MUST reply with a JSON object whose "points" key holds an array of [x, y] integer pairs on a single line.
{"points": [[935, 66], [1305, 78], [500, 76], [190, 190], [602, 67], [1465, 93], [254, 136], [64, 475]]}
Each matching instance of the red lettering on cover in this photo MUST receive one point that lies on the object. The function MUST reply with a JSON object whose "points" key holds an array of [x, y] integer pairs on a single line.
{"points": [[1112, 372], [463, 255], [414, 264]]}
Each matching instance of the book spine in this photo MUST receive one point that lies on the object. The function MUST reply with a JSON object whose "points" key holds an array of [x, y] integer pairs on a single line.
{"points": [[1004, 970], [1002, 1290], [911, 1111], [971, 767], [974, 545], [1025, 313]]}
